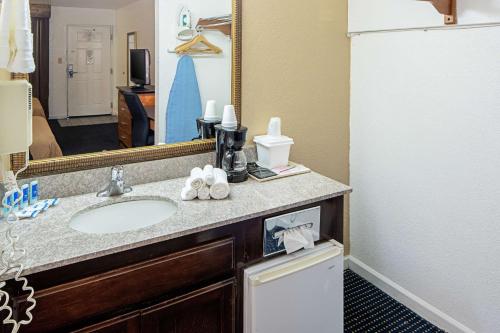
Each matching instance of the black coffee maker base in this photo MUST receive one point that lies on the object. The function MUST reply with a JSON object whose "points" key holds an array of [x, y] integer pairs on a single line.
{"points": [[237, 177]]}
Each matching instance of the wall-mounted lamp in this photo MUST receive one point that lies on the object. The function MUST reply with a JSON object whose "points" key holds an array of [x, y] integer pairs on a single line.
{"points": [[446, 7]]}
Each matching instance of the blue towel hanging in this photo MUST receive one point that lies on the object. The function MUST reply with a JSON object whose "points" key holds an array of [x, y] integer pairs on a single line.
{"points": [[184, 103]]}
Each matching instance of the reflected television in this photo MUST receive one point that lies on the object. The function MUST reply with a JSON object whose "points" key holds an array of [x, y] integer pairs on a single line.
{"points": [[140, 62]]}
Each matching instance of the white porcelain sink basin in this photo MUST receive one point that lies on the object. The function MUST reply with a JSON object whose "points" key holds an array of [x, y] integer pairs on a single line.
{"points": [[123, 216]]}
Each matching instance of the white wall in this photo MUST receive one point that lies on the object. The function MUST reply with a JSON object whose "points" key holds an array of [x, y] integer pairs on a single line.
{"points": [[425, 161], [214, 73], [395, 14], [4, 74], [61, 17], [137, 17]]}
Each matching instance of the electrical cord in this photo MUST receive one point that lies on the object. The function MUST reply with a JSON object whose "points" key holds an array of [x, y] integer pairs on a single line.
{"points": [[10, 259]]}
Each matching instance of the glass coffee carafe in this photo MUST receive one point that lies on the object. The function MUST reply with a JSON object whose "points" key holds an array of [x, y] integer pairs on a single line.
{"points": [[235, 163], [230, 155]]}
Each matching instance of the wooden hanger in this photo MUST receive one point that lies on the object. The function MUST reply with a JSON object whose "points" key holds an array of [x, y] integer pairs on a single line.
{"points": [[193, 47]]}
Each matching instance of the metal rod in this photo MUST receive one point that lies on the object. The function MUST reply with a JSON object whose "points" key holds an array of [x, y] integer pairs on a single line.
{"points": [[454, 27], [228, 17], [204, 26]]}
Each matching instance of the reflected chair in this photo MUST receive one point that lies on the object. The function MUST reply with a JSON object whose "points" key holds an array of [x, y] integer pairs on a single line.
{"points": [[142, 135]]}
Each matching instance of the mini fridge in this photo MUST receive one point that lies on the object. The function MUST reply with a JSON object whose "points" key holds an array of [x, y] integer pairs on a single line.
{"points": [[298, 293]]}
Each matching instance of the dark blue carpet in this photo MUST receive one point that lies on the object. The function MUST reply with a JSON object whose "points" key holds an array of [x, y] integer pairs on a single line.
{"points": [[75, 140], [368, 309]]}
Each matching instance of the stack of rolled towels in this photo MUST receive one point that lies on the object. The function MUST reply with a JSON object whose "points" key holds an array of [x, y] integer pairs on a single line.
{"points": [[206, 184]]}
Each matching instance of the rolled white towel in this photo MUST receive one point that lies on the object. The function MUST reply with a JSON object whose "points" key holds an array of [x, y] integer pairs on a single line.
{"points": [[188, 193], [208, 175], [204, 193], [196, 180], [220, 189]]}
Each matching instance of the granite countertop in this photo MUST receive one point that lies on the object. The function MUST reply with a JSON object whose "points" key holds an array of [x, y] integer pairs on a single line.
{"points": [[51, 243]]}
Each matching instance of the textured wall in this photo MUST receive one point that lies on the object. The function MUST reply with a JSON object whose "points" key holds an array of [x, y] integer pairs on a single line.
{"points": [[296, 66], [396, 14], [135, 17], [4, 75], [425, 161]]}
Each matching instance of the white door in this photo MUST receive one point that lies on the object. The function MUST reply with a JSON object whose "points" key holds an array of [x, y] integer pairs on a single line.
{"points": [[89, 71]]}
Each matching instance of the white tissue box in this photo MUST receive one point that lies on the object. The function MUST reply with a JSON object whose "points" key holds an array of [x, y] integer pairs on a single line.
{"points": [[273, 152]]}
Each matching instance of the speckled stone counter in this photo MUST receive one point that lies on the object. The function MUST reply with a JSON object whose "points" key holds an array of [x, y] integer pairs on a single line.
{"points": [[50, 242]]}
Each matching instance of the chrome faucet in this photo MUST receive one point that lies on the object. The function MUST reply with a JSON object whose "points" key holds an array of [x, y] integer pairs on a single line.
{"points": [[117, 186]]}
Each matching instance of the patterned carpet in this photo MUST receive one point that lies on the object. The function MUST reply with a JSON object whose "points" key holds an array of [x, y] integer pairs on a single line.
{"points": [[368, 309], [85, 139]]}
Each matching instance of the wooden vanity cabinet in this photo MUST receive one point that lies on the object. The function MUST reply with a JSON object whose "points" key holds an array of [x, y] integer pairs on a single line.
{"points": [[130, 323], [208, 310], [191, 284]]}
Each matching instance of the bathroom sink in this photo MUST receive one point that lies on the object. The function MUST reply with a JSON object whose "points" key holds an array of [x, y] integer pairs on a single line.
{"points": [[123, 216]]}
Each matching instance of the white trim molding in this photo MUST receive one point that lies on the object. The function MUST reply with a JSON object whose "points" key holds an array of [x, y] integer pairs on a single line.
{"points": [[410, 300]]}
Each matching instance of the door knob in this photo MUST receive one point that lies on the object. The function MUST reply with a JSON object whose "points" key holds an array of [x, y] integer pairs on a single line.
{"points": [[71, 71]]}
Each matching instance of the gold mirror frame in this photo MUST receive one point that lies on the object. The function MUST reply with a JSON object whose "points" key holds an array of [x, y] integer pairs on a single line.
{"points": [[134, 155]]}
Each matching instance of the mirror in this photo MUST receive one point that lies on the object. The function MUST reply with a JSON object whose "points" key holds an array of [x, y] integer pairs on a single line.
{"points": [[114, 84], [131, 45]]}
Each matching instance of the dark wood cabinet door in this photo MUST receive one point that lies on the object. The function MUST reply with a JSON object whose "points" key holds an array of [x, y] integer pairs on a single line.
{"points": [[81, 300], [208, 310], [130, 323]]}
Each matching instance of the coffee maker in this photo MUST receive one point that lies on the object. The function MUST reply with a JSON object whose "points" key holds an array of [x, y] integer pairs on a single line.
{"points": [[230, 155], [206, 129]]}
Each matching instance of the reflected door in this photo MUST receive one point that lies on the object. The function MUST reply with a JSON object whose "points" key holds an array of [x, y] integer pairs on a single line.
{"points": [[89, 71]]}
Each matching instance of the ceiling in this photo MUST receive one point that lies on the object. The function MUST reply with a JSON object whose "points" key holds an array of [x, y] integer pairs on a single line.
{"points": [[105, 4]]}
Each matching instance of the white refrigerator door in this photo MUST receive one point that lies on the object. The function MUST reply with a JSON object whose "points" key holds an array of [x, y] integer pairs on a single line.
{"points": [[296, 294]]}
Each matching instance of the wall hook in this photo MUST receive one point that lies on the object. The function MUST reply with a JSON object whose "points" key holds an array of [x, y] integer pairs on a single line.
{"points": [[446, 7]]}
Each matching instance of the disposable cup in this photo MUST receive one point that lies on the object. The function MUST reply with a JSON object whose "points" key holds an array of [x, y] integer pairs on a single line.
{"points": [[211, 111], [229, 117]]}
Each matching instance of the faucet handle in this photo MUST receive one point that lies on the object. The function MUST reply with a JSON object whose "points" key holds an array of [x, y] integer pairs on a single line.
{"points": [[117, 173], [116, 186]]}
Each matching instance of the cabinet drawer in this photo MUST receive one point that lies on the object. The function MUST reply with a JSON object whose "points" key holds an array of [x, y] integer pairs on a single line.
{"points": [[125, 123], [124, 128], [208, 310], [124, 114], [125, 140], [100, 294], [130, 323]]}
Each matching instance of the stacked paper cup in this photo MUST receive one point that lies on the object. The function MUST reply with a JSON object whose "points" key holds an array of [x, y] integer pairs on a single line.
{"points": [[206, 184]]}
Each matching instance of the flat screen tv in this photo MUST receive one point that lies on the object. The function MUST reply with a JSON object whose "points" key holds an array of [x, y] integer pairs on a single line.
{"points": [[139, 67]]}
